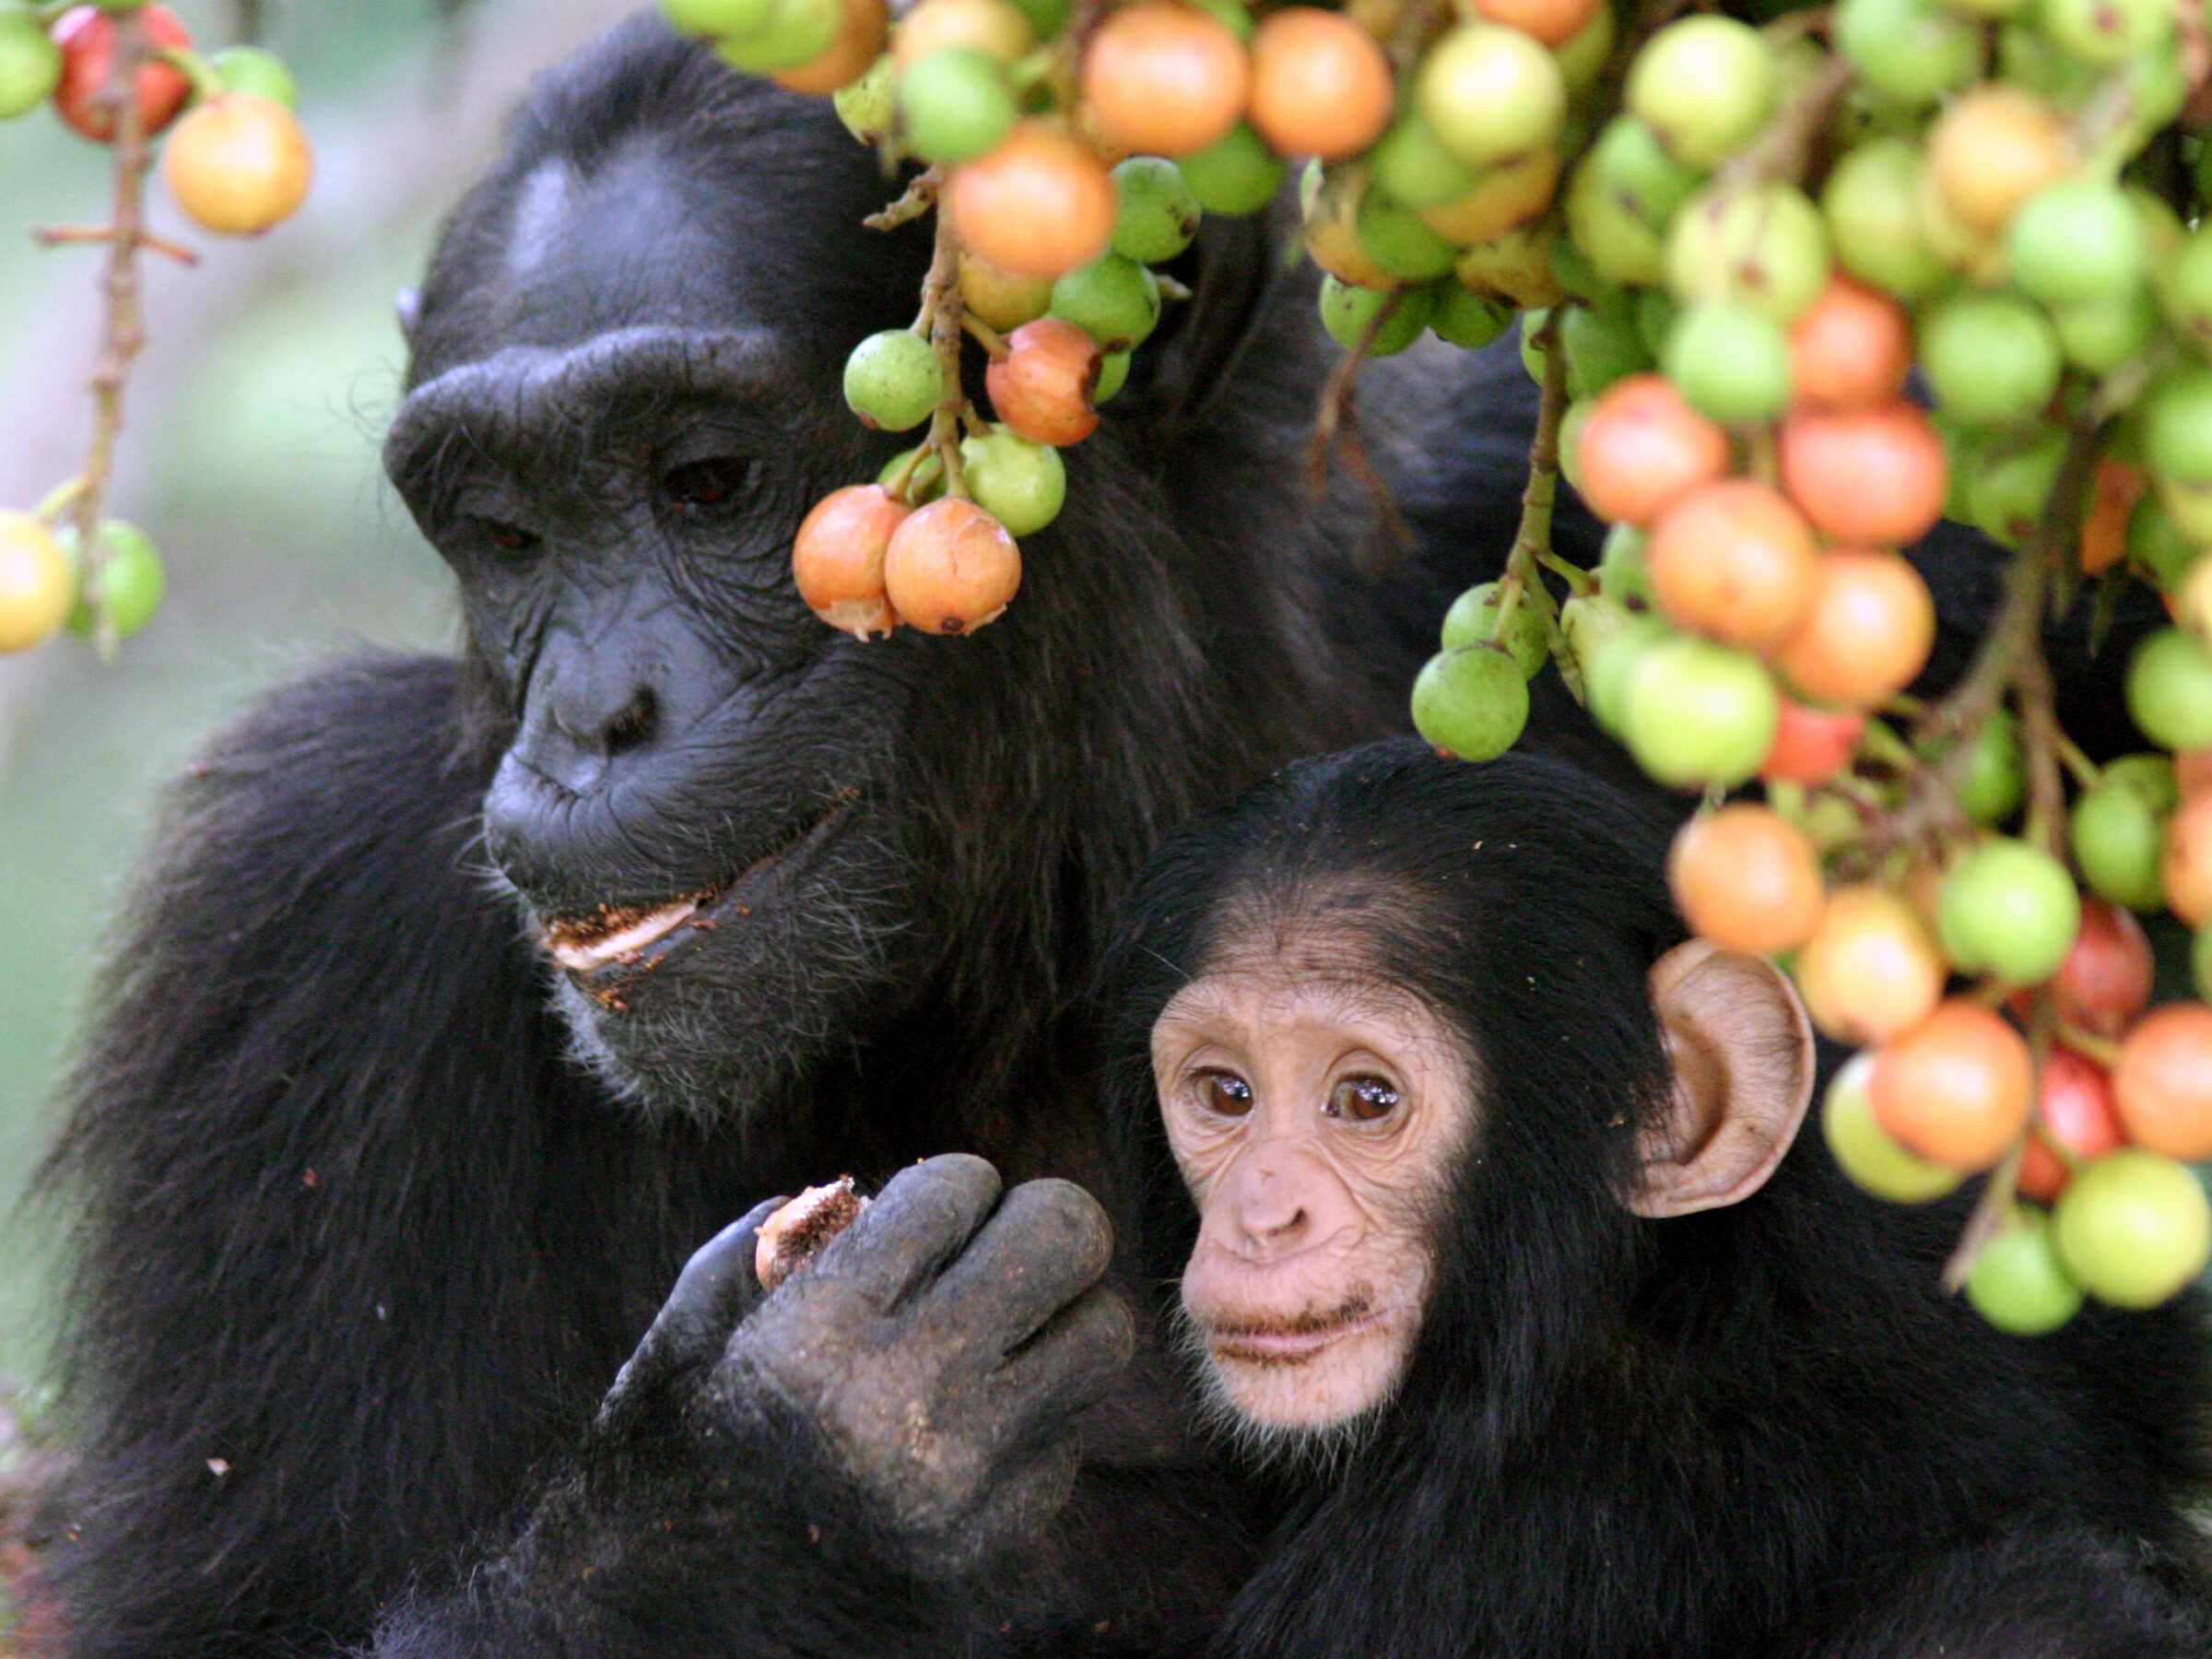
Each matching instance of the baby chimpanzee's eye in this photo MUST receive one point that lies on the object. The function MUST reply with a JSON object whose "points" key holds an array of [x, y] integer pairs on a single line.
{"points": [[1224, 1093], [1363, 1099]]}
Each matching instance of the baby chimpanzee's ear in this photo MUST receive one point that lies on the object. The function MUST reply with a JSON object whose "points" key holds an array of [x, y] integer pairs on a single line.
{"points": [[1742, 1051]]}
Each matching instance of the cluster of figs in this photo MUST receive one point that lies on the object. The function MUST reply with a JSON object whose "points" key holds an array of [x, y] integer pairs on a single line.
{"points": [[234, 161]]}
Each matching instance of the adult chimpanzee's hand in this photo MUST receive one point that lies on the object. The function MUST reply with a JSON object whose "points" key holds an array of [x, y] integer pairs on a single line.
{"points": [[938, 1351]]}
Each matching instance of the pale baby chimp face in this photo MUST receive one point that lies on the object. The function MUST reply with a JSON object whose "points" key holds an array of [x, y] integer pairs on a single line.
{"points": [[1316, 1112]]}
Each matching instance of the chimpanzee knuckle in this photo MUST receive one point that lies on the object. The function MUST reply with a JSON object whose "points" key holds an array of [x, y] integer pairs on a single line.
{"points": [[804, 1346], [918, 1223], [951, 1193], [718, 1282], [1101, 1333], [1048, 1243], [1014, 1508], [1055, 1222]]}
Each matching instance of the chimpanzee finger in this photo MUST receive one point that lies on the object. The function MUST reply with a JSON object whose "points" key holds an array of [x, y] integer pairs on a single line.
{"points": [[1067, 1367], [917, 1223], [712, 1296], [1048, 1243]]}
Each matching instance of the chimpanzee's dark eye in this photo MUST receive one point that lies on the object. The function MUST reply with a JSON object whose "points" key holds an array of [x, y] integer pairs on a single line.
{"points": [[704, 485], [1361, 1099], [1224, 1093]]}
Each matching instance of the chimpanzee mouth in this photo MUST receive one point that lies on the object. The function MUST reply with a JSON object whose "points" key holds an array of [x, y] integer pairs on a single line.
{"points": [[1293, 1341], [616, 940]]}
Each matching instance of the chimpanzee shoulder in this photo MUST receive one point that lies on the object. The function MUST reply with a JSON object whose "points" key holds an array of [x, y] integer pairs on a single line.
{"points": [[344, 1196]]}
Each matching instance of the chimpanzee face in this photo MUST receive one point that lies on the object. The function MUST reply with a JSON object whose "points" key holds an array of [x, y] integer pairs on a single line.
{"points": [[1316, 1115], [1319, 1114]]}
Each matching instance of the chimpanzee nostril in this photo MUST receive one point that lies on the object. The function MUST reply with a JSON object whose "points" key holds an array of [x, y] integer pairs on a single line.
{"points": [[634, 726], [591, 717]]}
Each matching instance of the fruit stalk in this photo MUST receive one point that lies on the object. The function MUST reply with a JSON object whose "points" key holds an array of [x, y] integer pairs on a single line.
{"points": [[1780, 152], [918, 198], [1337, 431], [1416, 29], [123, 332], [1524, 577], [943, 312], [2011, 656]]}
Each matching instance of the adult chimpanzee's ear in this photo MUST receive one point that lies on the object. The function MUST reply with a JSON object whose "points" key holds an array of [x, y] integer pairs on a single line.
{"points": [[1742, 1051]]}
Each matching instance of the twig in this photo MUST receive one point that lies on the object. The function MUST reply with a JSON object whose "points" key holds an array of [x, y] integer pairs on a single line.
{"points": [[920, 197], [988, 338], [2084, 771], [123, 332], [1785, 145], [60, 236], [1532, 536], [1987, 1215], [2040, 738], [944, 311], [1417, 26], [1339, 409], [2016, 635], [2105, 1050], [1578, 581], [1063, 70], [1337, 419]]}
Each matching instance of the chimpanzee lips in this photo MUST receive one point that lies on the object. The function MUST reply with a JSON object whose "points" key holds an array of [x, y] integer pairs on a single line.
{"points": [[643, 935], [1289, 1340]]}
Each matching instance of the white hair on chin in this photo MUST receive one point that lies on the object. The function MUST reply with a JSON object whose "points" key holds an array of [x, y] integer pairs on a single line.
{"points": [[1315, 1453]]}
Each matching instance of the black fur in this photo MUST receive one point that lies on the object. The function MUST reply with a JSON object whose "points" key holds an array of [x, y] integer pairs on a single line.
{"points": [[1759, 1431], [374, 1204]]}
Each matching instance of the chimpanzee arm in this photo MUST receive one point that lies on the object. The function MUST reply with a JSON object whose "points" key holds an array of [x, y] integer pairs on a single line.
{"points": [[343, 1277], [867, 1462]]}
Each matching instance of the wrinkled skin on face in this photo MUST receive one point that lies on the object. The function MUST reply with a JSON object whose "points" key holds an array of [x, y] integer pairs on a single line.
{"points": [[610, 449], [1316, 1116]]}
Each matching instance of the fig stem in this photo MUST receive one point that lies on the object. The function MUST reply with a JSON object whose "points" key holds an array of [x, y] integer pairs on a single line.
{"points": [[206, 82], [66, 236], [921, 195], [2011, 656], [988, 338], [1785, 145], [123, 332], [945, 315], [1523, 576]]}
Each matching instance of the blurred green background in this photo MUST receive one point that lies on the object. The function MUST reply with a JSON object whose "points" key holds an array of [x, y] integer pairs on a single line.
{"points": [[251, 456]]}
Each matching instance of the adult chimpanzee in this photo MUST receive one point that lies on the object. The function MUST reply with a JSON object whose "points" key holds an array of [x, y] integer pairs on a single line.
{"points": [[1561, 1338], [466, 998]]}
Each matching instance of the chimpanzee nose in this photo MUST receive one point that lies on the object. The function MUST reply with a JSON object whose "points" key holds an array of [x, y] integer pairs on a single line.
{"points": [[1268, 1212], [607, 711], [583, 733], [588, 717], [582, 737]]}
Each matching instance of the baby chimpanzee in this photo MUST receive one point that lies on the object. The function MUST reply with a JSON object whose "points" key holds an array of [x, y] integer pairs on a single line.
{"points": [[1496, 1239]]}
